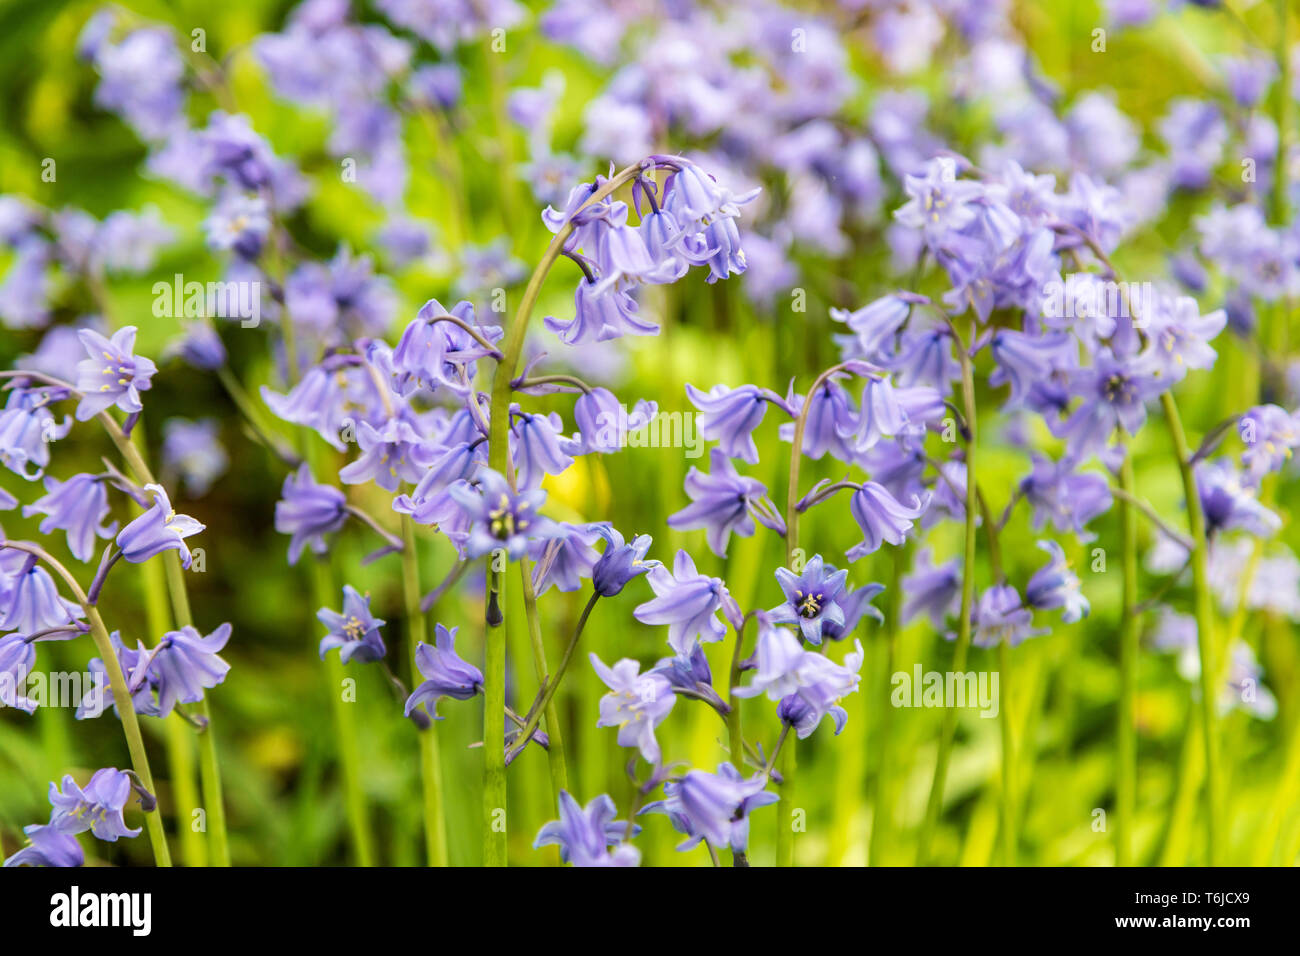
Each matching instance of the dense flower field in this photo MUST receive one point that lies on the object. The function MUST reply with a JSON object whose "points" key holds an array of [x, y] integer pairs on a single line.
{"points": [[654, 432]]}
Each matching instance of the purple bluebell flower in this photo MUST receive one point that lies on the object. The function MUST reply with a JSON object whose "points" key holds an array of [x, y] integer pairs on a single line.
{"points": [[445, 674], [435, 353], [98, 808], [1055, 585], [330, 398], [27, 427], [1248, 78], [933, 590], [604, 423], [876, 324], [49, 846], [239, 223], [565, 560], [1024, 360], [1000, 617], [17, 658], [812, 599], [32, 602], [636, 704], [185, 663], [689, 675], [1231, 504], [623, 258], [1067, 499], [307, 511], [355, 631], [620, 562], [78, 506], [200, 346], [1270, 434], [1114, 394], [585, 836], [713, 807], [600, 317], [536, 447], [157, 530], [192, 450], [823, 685], [390, 455], [721, 502], [501, 518], [882, 518], [685, 600], [135, 665], [730, 415], [1179, 337], [113, 374], [778, 662], [831, 416]]}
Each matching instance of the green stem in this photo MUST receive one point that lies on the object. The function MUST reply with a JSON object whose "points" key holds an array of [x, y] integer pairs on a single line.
{"points": [[935, 802], [1205, 628], [1126, 747], [209, 767], [435, 827], [494, 699], [880, 802], [553, 683], [735, 738], [555, 747], [1008, 758], [121, 696]]}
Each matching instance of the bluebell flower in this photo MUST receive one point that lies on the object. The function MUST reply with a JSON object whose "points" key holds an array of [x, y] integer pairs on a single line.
{"points": [[1179, 336], [1055, 585], [435, 353], [184, 664], [536, 447], [685, 600], [831, 416], [882, 518], [501, 518], [97, 808], [721, 502], [78, 506], [604, 423], [777, 661], [390, 455], [689, 674], [140, 683], [623, 258], [600, 317], [856, 605], [157, 530], [200, 346], [49, 846], [307, 511], [565, 560], [17, 658], [1231, 504], [877, 323], [1114, 395], [192, 450], [32, 602], [238, 223], [636, 704], [1067, 499], [620, 562], [355, 631], [812, 599], [585, 836], [113, 374], [1023, 359], [1270, 435], [730, 415], [1000, 618], [713, 807], [27, 428], [933, 590], [823, 684], [330, 398], [445, 674]]}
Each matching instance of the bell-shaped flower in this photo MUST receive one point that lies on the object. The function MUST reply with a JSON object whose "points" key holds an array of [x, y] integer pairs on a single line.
{"points": [[687, 601], [157, 530], [445, 674]]}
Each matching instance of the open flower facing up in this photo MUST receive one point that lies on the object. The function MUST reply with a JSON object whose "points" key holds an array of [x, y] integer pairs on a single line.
{"points": [[157, 530], [355, 631], [113, 374], [687, 601], [445, 674], [636, 705], [585, 835], [1000, 617], [812, 599], [501, 518], [97, 808]]}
